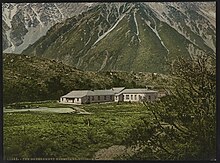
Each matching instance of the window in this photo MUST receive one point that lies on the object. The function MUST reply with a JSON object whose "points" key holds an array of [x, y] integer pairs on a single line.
{"points": [[131, 97], [149, 97], [135, 97], [69, 99], [116, 97], [92, 98], [127, 97], [77, 99], [98, 97]]}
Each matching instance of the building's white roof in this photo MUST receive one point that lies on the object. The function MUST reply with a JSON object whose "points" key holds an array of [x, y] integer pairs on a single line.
{"points": [[137, 90], [82, 93], [79, 93], [118, 89], [100, 92], [113, 91]]}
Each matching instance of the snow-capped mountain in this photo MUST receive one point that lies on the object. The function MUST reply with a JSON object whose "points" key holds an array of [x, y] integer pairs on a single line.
{"points": [[131, 36], [24, 23], [199, 17]]}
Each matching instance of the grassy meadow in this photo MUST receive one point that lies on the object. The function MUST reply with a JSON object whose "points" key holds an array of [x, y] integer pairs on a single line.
{"points": [[68, 135]]}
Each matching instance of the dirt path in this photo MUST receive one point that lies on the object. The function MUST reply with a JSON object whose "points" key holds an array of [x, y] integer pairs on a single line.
{"points": [[79, 110], [113, 152], [41, 109], [76, 110]]}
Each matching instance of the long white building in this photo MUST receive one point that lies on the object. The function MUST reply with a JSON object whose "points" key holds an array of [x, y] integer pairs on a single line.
{"points": [[135, 95], [117, 94]]}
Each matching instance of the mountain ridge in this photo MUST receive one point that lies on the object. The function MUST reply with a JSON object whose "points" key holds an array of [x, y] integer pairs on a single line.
{"points": [[128, 37], [24, 23]]}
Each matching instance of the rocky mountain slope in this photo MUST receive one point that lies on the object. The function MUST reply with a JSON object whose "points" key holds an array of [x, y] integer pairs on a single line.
{"points": [[131, 36], [24, 23]]}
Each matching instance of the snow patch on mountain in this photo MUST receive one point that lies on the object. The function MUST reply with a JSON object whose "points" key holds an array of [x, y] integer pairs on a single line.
{"points": [[88, 41], [12, 48], [135, 20], [14, 11], [89, 4], [210, 43], [155, 30], [104, 61], [36, 15], [106, 33], [62, 16]]}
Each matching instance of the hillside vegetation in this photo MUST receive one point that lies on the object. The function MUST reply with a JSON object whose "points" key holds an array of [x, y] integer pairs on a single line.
{"points": [[28, 78], [183, 126]]}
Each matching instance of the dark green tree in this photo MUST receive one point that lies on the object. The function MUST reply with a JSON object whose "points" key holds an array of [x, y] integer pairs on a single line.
{"points": [[55, 87], [184, 122]]}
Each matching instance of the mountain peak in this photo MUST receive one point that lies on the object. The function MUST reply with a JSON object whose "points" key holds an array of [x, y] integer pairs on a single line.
{"points": [[27, 22], [140, 36]]}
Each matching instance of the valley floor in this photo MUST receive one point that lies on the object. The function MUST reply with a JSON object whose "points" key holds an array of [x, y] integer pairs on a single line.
{"points": [[53, 130]]}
